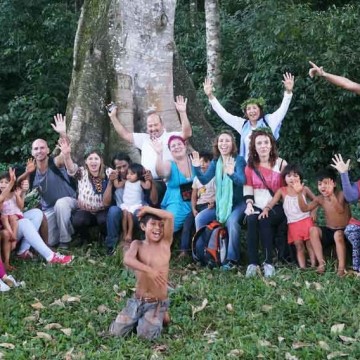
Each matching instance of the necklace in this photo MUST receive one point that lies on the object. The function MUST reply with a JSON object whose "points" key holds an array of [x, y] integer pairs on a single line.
{"points": [[97, 183], [41, 180]]}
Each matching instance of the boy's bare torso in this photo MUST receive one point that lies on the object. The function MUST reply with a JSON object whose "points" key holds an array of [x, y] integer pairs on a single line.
{"points": [[156, 256], [337, 211]]}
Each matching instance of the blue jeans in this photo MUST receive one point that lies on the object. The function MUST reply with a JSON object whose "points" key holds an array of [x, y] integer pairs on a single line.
{"points": [[113, 224], [233, 227]]}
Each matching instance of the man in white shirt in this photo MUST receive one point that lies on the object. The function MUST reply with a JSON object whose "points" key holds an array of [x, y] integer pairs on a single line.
{"points": [[155, 130]]}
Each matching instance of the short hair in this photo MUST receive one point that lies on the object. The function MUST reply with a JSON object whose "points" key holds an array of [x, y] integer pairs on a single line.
{"points": [[6, 175], [292, 168], [137, 169], [327, 173], [175, 137], [234, 150], [206, 156], [121, 156], [153, 112], [144, 219], [254, 159]]}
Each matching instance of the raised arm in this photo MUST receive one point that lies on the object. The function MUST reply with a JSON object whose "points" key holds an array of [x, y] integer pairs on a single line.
{"points": [[337, 80], [60, 128], [29, 169], [64, 146], [304, 207], [107, 197], [351, 191], [154, 196], [180, 104], [163, 167], [166, 216], [204, 178], [235, 122], [9, 186], [276, 118], [119, 127]]}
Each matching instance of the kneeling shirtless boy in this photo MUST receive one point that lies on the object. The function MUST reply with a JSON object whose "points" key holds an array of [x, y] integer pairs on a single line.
{"points": [[149, 259]]}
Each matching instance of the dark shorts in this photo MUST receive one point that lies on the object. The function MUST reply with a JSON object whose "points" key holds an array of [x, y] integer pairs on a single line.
{"points": [[147, 317], [328, 235]]}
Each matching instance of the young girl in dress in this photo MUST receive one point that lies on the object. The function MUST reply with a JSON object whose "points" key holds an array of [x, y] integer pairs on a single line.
{"points": [[11, 209], [133, 198], [299, 223]]}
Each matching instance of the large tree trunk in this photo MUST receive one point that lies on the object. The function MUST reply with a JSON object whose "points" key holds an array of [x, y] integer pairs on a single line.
{"points": [[124, 53], [212, 17]]}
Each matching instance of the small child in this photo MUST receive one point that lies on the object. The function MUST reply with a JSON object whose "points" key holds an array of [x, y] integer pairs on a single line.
{"points": [[337, 215], [11, 209], [133, 197], [299, 223], [147, 309], [6, 281], [202, 197]]}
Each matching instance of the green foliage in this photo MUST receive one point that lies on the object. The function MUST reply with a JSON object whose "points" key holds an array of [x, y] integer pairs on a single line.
{"points": [[293, 313], [36, 45], [262, 39]]}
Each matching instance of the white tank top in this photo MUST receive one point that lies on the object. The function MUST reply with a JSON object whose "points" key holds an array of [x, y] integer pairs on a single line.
{"points": [[292, 209]]}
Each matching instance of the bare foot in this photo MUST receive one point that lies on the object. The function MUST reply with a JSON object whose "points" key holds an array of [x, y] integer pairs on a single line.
{"points": [[128, 238], [182, 255], [321, 268], [341, 272], [9, 267], [166, 320]]}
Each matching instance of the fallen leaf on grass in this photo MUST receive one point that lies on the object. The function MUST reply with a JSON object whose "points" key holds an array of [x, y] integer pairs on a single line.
{"points": [[102, 309], [160, 348], [288, 356], [211, 336], [299, 345], [38, 306], [318, 286], [92, 261], [307, 284], [33, 317], [69, 299], [281, 339], [270, 283], [236, 353], [229, 307], [337, 328], [266, 308], [336, 354], [7, 346], [347, 339], [196, 309], [119, 293], [58, 302], [264, 343], [66, 331], [52, 326], [300, 301], [43, 335], [155, 356], [285, 277], [324, 345]]}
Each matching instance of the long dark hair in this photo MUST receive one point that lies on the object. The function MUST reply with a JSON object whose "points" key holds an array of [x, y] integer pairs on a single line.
{"points": [[254, 159]]}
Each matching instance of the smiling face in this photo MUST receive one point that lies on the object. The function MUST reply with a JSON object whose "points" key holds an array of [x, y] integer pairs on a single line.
{"points": [[263, 146], [93, 163], [225, 144], [40, 150], [154, 229], [177, 148], [253, 112], [3, 184], [154, 126]]}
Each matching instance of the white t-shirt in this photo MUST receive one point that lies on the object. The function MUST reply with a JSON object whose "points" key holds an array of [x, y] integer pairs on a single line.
{"points": [[148, 154]]}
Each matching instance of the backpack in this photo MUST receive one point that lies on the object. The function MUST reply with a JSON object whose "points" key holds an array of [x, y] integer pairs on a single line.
{"points": [[209, 244]]}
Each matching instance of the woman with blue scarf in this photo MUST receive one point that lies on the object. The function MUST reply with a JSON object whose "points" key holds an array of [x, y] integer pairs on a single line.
{"points": [[228, 169]]}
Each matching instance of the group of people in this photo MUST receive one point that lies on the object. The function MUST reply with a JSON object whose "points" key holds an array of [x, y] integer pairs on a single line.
{"points": [[174, 191]]}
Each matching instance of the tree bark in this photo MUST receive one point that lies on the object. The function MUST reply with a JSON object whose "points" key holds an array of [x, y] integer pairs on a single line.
{"points": [[123, 53], [212, 17]]}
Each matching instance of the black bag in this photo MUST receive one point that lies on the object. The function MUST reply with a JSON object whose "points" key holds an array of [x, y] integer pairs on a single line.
{"points": [[186, 191], [209, 244]]}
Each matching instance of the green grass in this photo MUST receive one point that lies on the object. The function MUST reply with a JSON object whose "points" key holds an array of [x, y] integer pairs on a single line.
{"points": [[267, 320]]}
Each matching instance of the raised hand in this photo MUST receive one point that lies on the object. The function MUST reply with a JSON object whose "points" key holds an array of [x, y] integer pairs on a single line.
{"points": [[297, 186], [195, 159], [208, 87], [60, 124], [64, 146], [24, 186], [12, 175], [157, 145], [229, 166], [339, 164], [180, 103], [288, 82], [315, 70], [30, 166], [113, 175]]}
